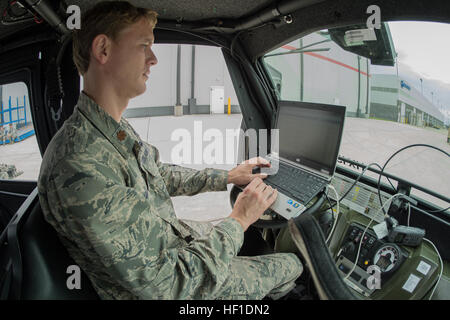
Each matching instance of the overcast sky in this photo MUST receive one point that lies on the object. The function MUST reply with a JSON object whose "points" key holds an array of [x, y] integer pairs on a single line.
{"points": [[423, 50]]}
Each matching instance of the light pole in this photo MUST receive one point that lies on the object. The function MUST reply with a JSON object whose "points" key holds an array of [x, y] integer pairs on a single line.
{"points": [[432, 97], [421, 85]]}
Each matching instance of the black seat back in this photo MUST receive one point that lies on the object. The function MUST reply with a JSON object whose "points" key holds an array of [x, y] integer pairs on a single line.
{"points": [[34, 260], [310, 241]]}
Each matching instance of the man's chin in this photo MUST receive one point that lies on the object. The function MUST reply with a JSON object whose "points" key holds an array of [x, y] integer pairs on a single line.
{"points": [[140, 90]]}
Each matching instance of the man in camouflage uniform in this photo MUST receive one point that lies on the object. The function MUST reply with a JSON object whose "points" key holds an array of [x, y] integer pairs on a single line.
{"points": [[107, 194]]}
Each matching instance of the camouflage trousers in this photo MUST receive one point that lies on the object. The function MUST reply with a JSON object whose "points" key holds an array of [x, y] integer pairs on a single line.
{"points": [[254, 278]]}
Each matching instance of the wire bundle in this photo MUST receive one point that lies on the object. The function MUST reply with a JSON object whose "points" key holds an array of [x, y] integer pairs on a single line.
{"points": [[382, 208]]}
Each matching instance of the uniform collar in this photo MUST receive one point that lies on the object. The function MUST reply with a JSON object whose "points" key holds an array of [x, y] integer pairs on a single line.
{"points": [[116, 132]]}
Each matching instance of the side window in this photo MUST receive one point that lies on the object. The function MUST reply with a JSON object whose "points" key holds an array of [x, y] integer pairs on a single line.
{"points": [[190, 112], [184, 113], [20, 158]]}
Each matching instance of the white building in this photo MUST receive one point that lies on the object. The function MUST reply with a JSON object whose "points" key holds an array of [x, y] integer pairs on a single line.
{"points": [[202, 75], [323, 73], [394, 99]]}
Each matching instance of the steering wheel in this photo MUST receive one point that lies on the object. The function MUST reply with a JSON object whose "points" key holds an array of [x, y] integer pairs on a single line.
{"points": [[278, 224], [310, 241]]}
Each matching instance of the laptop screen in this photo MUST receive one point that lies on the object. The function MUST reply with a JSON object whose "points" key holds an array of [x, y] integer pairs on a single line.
{"points": [[310, 134]]}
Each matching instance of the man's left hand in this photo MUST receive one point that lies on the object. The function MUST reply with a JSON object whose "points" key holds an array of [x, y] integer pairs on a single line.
{"points": [[242, 174]]}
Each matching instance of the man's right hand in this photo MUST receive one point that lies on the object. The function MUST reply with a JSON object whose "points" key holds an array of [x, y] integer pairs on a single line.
{"points": [[252, 202]]}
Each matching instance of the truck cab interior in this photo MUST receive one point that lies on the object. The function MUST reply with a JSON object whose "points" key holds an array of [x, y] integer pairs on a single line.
{"points": [[368, 235]]}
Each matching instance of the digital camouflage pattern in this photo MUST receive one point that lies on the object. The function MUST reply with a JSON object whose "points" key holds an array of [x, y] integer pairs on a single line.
{"points": [[108, 196]]}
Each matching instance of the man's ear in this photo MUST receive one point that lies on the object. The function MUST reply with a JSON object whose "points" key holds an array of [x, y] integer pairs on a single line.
{"points": [[101, 48]]}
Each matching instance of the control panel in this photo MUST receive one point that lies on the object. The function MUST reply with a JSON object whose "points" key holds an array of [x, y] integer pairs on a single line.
{"points": [[377, 261], [398, 266]]}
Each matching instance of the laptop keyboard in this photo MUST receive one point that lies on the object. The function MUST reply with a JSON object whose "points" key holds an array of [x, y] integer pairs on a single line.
{"points": [[296, 183]]}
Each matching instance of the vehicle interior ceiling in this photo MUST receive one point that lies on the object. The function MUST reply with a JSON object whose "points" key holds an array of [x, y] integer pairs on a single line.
{"points": [[38, 52]]}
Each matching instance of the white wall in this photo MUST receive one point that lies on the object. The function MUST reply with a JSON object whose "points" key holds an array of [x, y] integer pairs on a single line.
{"points": [[161, 86], [388, 81], [210, 70]]}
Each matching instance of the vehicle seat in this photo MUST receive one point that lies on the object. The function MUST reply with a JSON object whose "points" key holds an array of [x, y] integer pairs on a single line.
{"points": [[36, 262]]}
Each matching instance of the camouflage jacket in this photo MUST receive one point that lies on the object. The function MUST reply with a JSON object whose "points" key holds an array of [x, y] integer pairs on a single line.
{"points": [[107, 195]]}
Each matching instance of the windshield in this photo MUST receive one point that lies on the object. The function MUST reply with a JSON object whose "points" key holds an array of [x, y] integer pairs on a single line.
{"points": [[395, 85]]}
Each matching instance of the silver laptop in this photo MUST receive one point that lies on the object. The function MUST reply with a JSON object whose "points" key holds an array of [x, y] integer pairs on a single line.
{"points": [[309, 141]]}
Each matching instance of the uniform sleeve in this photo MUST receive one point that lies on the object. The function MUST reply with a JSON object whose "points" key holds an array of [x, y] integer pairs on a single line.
{"points": [[124, 235], [186, 181]]}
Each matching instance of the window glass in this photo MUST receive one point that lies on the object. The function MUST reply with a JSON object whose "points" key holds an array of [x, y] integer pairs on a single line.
{"points": [[20, 158], [395, 87]]}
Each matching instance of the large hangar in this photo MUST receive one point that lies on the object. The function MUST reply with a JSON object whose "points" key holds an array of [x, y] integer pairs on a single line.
{"points": [[393, 98]]}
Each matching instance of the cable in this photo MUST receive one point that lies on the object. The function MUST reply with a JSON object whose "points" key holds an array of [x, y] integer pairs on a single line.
{"points": [[442, 268], [365, 230], [336, 215], [348, 191], [407, 147], [358, 178], [439, 210], [233, 41], [440, 259], [329, 202]]}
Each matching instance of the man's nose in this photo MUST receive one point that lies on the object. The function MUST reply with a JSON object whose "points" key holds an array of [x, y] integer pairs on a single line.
{"points": [[151, 58]]}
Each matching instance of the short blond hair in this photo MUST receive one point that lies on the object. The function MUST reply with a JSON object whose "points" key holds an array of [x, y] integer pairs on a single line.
{"points": [[108, 18]]}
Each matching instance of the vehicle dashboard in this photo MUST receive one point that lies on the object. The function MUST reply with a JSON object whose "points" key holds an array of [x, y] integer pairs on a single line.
{"points": [[404, 272]]}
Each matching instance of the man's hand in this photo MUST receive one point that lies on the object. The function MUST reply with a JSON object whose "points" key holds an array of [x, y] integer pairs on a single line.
{"points": [[242, 174], [252, 202]]}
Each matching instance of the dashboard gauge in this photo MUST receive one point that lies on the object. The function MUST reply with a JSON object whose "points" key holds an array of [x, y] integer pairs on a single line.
{"points": [[387, 257]]}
